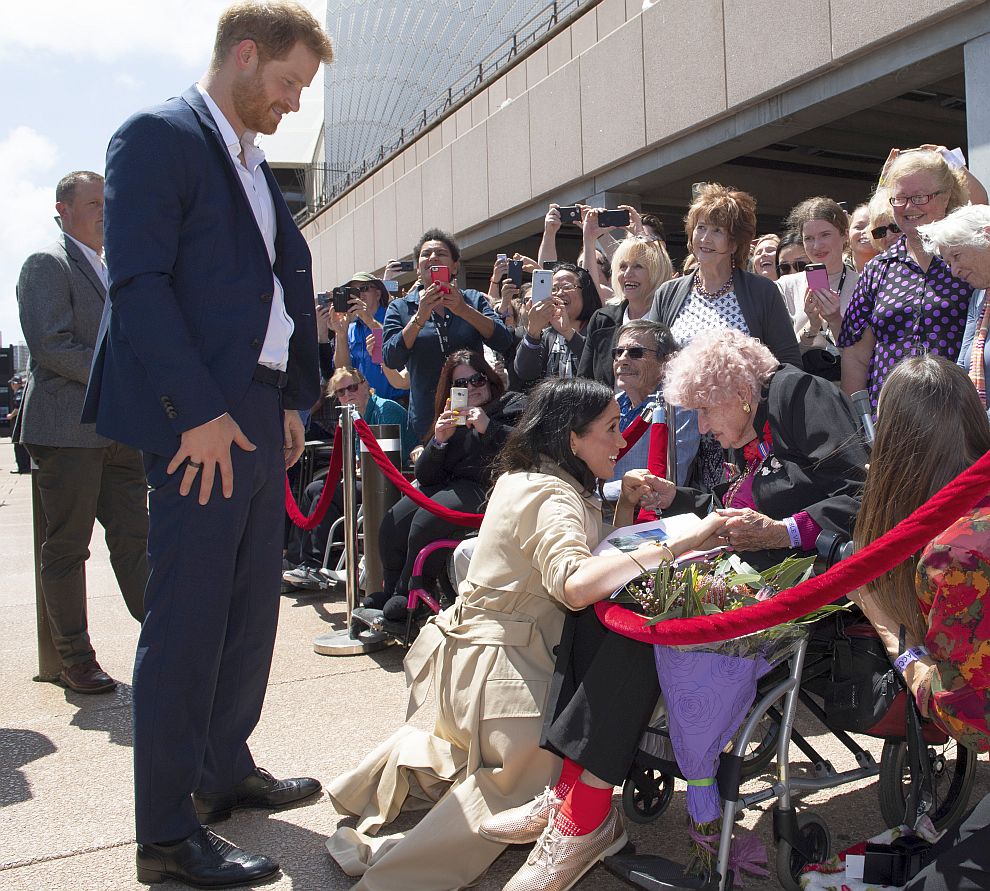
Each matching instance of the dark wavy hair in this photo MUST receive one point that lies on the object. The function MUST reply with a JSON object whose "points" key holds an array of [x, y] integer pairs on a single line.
{"points": [[590, 301], [556, 408], [478, 363]]}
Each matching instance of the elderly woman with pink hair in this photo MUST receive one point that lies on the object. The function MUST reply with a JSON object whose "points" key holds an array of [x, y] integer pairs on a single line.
{"points": [[799, 466]]}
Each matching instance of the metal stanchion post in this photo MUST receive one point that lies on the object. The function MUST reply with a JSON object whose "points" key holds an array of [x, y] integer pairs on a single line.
{"points": [[49, 661], [668, 413], [377, 496], [350, 641]]}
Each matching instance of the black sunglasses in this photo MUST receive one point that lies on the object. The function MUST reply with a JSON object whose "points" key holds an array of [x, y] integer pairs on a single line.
{"points": [[351, 388], [635, 352], [881, 231], [476, 380], [795, 266]]}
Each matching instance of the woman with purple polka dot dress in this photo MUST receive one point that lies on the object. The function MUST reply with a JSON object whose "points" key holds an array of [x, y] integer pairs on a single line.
{"points": [[907, 302]]}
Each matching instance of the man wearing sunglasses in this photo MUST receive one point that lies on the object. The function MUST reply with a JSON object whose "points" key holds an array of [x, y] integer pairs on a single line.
{"points": [[641, 351]]}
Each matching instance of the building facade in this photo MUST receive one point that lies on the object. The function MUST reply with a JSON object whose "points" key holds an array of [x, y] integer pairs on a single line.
{"points": [[630, 102]]}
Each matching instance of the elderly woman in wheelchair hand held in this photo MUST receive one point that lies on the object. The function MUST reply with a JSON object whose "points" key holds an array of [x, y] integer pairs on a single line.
{"points": [[489, 657], [798, 460], [802, 466]]}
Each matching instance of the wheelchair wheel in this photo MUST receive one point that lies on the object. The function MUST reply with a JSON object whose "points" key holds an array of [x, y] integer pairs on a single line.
{"points": [[813, 839], [762, 747], [646, 794], [953, 770]]}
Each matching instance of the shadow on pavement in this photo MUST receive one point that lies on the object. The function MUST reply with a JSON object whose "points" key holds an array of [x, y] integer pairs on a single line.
{"points": [[110, 714], [17, 748]]}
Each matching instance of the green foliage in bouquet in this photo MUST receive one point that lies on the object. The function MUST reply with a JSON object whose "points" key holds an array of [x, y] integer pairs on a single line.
{"points": [[700, 588]]}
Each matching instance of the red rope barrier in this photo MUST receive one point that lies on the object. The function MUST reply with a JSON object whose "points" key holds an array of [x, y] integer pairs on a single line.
{"points": [[906, 538], [326, 496], [457, 517]]}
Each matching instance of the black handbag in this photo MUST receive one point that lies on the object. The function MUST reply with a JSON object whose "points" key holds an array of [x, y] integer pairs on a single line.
{"points": [[848, 668]]}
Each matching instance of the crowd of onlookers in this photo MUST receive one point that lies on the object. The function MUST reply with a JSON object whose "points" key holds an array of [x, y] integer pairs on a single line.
{"points": [[843, 294], [722, 392]]}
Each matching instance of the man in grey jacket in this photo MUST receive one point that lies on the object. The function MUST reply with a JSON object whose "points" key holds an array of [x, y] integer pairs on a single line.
{"points": [[81, 475]]}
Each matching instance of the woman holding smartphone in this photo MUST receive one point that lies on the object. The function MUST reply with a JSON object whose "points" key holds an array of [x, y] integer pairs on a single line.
{"points": [[554, 339], [454, 469], [817, 297]]}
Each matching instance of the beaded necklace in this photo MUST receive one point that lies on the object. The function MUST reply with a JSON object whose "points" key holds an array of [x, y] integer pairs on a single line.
{"points": [[699, 288], [754, 453]]}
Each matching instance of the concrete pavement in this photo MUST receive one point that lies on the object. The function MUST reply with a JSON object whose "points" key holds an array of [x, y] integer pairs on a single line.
{"points": [[66, 817]]}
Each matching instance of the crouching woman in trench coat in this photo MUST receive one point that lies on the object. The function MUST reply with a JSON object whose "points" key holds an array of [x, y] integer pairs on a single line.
{"points": [[489, 657]]}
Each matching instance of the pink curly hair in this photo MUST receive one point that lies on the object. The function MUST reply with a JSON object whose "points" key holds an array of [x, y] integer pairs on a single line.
{"points": [[715, 367]]}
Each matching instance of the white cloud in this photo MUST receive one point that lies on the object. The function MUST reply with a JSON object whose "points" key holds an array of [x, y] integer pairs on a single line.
{"points": [[27, 196], [112, 29]]}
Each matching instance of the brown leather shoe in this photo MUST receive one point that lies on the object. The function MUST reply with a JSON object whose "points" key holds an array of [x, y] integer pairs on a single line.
{"points": [[86, 677]]}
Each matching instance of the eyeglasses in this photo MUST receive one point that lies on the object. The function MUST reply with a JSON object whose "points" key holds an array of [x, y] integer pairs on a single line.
{"points": [[352, 388], [563, 289], [476, 380], [367, 286], [795, 266], [881, 231], [917, 200], [635, 352]]}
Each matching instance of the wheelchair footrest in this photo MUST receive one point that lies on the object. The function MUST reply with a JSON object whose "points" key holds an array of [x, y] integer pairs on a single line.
{"points": [[655, 872], [376, 621]]}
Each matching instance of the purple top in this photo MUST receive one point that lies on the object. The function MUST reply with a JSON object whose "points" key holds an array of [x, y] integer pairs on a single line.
{"points": [[910, 311]]}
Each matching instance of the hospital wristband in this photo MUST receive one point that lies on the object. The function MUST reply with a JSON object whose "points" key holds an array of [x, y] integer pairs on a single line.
{"points": [[793, 531], [912, 654]]}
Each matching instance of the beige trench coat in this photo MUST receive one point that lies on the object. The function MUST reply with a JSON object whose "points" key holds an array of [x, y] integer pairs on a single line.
{"points": [[489, 661]]}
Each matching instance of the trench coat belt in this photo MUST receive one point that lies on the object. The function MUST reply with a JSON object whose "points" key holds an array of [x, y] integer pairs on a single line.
{"points": [[469, 624]]}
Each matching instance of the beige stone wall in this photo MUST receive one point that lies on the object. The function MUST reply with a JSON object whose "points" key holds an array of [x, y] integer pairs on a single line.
{"points": [[617, 82]]}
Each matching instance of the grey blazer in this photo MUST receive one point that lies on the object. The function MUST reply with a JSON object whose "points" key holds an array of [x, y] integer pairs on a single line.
{"points": [[60, 299]]}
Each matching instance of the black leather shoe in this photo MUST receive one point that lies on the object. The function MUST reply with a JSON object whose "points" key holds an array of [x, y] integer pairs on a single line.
{"points": [[204, 860], [258, 789]]}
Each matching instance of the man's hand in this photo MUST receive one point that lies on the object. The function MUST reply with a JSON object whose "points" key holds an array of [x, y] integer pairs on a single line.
{"points": [[322, 323], [295, 437], [206, 448]]}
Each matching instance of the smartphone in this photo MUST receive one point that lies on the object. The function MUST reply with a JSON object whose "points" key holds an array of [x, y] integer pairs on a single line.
{"points": [[570, 214], [542, 283], [439, 274], [515, 272], [391, 285], [323, 299], [500, 257], [341, 299], [376, 352], [817, 276], [550, 264], [611, 219], [459, 402], [406, 266]]}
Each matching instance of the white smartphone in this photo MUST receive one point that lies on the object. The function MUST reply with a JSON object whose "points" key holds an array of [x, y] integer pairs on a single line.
{"points": [[542, 283], [459, 402]]}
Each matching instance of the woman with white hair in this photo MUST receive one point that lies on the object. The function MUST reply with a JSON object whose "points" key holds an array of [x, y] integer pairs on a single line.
{"points": [[962, 239]]}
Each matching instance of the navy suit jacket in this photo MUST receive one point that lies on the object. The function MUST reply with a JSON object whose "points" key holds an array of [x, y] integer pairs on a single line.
{"points": [[190, 283]]}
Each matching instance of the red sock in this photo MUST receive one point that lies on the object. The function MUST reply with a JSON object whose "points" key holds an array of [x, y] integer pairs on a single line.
{"points": [[569, 774], [584, 809]]}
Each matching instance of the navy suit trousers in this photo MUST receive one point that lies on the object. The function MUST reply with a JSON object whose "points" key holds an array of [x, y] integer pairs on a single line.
{"points": [[206, 644]]}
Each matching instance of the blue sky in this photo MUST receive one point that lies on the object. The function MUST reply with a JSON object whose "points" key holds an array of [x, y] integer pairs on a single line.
{"points": [[72, 73]]}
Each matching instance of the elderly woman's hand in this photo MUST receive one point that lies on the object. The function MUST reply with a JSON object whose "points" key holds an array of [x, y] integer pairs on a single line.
{"points": [[649, 491], [748, 530]]}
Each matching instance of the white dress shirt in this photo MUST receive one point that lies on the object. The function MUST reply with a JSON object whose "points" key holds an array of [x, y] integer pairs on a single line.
{"points": [[275, 350], [95, 260]]}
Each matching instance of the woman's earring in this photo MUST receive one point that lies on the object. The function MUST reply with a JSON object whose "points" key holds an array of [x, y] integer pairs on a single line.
{"points": [[746, 407]]}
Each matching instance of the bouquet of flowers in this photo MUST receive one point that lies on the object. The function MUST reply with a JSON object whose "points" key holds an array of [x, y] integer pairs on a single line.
{"points": [[709, 688]]}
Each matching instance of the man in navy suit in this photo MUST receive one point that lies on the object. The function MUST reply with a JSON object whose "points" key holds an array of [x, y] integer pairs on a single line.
{"points": [[208, 352]]}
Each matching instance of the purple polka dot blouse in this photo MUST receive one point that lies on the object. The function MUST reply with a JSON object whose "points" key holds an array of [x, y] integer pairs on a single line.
{"points": [[911, 312]]}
